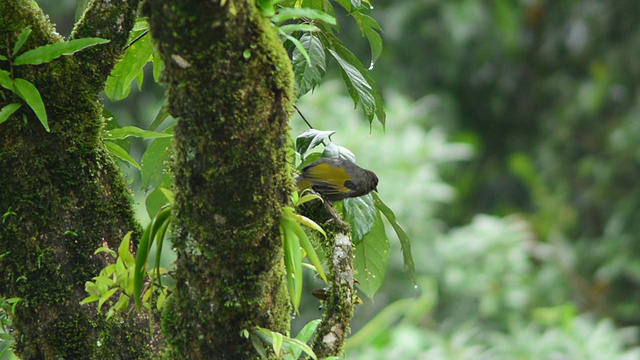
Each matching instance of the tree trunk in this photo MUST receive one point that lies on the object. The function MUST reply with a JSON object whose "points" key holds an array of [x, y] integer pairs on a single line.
{"points": [[61, 194], [230, 87]]}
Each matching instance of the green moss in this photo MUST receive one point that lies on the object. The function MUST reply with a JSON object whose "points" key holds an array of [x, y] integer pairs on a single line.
{"points": [[230, 172], [55, 183]]}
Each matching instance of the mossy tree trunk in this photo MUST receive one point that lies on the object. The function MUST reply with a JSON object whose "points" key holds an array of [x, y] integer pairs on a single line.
{"points": [[62, 195], [230, 87]]}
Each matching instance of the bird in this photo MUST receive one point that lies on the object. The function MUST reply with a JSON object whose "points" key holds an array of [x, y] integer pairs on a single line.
{"points": [[337, 179]]}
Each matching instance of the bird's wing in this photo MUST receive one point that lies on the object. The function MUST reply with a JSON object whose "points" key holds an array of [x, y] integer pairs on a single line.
{"points": [[328, 178]]}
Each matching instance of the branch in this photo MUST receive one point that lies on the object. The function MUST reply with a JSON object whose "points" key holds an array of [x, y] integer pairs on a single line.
{"points": [[334, 327], [112, 20]]}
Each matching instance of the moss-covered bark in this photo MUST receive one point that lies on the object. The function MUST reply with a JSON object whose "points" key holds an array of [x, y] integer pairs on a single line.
{"points": [[230, 85], [62, 195]]}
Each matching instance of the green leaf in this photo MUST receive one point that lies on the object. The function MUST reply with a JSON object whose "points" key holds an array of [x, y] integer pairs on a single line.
{"points": [[346, 4], [158, 66], [123, 251], [22, 38], [278, 341], [368, 26], [359, 89], [291, 28], [308, 72], [140, 25], [372, 258], [310, 139], [154, 163], [122, 303], [106, 297], [297, 44], [104, 280], [285, 14], [308, 248], [292, 260], [353, 74], [105, 249], [307, 331], [5, 80], [405, 243], [46, 53], [120, 153], [92, 289], [154, 201], [31, 95], [89, 299], [168, 194], [360, 213], [127, 131], [141, 262], [162, 115], [8, 110], [128, 68]]}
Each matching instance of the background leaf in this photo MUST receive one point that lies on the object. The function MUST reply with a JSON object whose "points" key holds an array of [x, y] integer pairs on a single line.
{"points": [[154, 162]]}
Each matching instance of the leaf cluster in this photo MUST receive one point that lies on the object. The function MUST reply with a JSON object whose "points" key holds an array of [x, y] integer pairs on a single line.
{"points": [[23, 88], [309, 30]]}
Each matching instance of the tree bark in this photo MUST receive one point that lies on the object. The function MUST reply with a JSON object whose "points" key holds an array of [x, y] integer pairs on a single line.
{"points": [[230, 86], [61, 193]]}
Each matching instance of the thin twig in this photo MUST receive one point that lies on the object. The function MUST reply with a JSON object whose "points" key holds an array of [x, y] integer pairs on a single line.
{"points": [[302, 116]]}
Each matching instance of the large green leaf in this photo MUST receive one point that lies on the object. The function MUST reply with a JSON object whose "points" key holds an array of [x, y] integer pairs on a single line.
{"points": [[360, 213], [405, 243], [128, 68], [372, 258], [308, 75], [154, 162], [360, 85], [31, 95], [46, 53], [370, 28]]}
